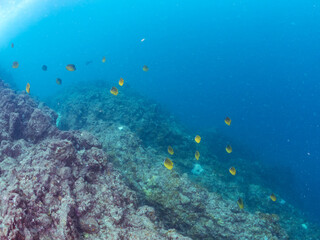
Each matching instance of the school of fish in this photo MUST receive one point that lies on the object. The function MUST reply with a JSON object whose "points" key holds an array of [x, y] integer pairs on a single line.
{"points": [[114, 91]]}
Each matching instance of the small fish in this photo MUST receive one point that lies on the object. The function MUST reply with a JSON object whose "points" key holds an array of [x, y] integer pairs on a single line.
{"points": [[142, 39], [15, 65], [88, 62], [145, 68], [28, 88], [114, 91], [227, 121], [71, 67], [232, 170], [229, 149], [121, 81], [12, 45], [197, 155], [197, 139], [104, 59], [170, 150], [58, 81], [240, 203], [44, 68], [273, 197], [168, 163]]}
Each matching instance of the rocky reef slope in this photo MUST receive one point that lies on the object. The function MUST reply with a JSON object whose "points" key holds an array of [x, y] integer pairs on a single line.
{"points": [[60, 184], [135, 133]]}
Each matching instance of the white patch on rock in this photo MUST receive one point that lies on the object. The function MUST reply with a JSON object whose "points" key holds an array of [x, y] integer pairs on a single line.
{"points": [[282, 201], [197, 169], [58, 119]]}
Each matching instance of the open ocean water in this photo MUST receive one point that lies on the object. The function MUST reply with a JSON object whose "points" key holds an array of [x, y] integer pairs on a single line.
{"points": [[256, 62]]}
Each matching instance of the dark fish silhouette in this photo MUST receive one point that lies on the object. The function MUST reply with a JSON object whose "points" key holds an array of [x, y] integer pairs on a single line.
{"points": [[15, 64]]}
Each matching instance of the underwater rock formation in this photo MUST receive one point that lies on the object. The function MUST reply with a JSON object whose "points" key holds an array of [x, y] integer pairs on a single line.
{"points": [[124, 124], [60, 184]]}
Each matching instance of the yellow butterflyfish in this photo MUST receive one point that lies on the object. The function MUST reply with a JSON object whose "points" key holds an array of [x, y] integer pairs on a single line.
{"points": [[58, 81], [168, 163], [114, 91], [28, 88], [227, 121], [71, 67], [240, 203], [15, 64], [121, 81], [145, 68], [273, 197], [229, 149], [197, 155], [170, 150], [232, 170], [197, 139]]}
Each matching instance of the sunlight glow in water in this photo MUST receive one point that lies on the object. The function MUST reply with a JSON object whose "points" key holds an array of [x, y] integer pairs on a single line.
{"points": [[17, 15]]}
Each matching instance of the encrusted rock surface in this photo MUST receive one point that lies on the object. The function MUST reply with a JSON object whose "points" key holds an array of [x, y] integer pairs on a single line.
{"points": [[60, 185], [123, 125]]}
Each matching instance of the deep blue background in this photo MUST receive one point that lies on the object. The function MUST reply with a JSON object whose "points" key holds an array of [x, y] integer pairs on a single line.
{"points": [[257, 62]]}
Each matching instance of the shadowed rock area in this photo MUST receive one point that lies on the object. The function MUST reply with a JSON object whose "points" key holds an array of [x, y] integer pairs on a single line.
{"points": [[60, 184]]}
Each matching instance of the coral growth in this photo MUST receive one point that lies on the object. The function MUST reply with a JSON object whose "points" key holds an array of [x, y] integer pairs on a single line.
{"points": [[135, 134], [61, 185]]}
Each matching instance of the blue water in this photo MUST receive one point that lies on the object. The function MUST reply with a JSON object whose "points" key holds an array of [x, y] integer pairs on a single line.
{"points": [[257, 62]]}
